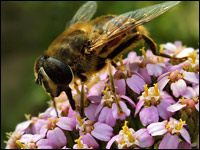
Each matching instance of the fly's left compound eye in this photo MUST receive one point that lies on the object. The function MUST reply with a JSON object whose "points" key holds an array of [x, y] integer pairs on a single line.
{"points": [[58, 71]]}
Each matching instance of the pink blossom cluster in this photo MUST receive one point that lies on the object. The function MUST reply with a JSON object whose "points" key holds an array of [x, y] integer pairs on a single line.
{"points": [[154, 104]]}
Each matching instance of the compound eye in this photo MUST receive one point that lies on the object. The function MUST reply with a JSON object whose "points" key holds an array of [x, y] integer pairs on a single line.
{"points": [[58, 71]]}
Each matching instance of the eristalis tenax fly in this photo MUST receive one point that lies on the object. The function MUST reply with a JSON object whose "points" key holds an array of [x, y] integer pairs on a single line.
{"points": [[85, 46]]}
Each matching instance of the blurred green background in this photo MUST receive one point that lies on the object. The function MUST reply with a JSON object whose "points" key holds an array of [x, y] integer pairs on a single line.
{"points": [[27, 29]]}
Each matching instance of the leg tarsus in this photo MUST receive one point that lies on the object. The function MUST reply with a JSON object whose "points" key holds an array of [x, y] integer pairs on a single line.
{"points": [[152, 45], [82, 102], [55, 107]]}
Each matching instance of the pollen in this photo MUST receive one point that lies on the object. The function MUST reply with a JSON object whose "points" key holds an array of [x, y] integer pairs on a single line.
{"points": [[125, 127], [193, 56], [21, 145], [122, 67], [78, 141], [106, 93], [156, 90], [146, 90], [180, 125]]}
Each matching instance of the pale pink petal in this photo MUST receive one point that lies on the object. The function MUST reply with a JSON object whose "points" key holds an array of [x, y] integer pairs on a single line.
{"points": [[197, 106], [191, 77], [96, 99], [163, 75], [169, 142], [89, 140], [185, 52], [106, 116], [124, 108], [98, 110], [109, 144], [189, 93], [156, 129], [145, 139], [154, 69], [120, 87], [175, 107], [136, 84], [102, 131], [44, 144], [96, 89], [23, 126], [89, 111], [149, 115], [37, 126], [167, 98], [129, 100], [66, 123], [163, 82], [145, 75], [178, 88], [185, 135], [162, 110], [57, 138], [138, 107]]}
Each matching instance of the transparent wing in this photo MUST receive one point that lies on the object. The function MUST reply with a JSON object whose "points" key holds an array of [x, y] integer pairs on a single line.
{"points": [[130, 20], [85, 13]]}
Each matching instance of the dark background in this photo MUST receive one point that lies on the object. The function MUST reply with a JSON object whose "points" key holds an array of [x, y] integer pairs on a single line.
{"points": [[27, 29]]}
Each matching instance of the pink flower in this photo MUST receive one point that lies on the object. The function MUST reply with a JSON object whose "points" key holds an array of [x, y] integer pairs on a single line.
{"points": [[89, 130], [178, 81], [128, 138], [171, 130], [155, 104]]}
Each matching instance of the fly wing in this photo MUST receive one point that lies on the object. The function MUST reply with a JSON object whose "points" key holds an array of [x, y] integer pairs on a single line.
{"points": [[85, 13], [130, 20]]}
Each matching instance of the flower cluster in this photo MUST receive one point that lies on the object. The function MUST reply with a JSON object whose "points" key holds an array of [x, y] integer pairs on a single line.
{"points": [[145, 102]]}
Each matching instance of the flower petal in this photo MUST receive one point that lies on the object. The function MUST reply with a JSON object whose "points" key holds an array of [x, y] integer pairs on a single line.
{"points": [[102, 131], [185, 135], [191, 77], [157, 128], [178, 88], [149, 115], [120, 87], [154, 69], [57, 138], [138, 107], [162, 110], [96, 89], [163, 82], [89, 111], [136, 84], [145, 139], [89, 140], [145, 75], [106, 116], [109, 144], [129, 100], [44, 144], [169, 142], [175, 107], [66, 123]]}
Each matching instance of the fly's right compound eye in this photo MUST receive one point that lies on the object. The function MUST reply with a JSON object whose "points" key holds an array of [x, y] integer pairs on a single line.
{"points": [[58, 71]]}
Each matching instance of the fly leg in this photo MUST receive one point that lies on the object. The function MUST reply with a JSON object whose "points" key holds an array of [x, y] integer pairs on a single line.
{"points": [[54, 105], [82, 101], [152, 45]]}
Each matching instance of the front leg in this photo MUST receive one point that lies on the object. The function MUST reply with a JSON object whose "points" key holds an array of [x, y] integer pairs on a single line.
{"points": [[82, 101]]}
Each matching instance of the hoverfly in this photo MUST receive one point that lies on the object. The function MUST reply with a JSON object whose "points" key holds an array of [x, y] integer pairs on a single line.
{"points": [[83, 48]]}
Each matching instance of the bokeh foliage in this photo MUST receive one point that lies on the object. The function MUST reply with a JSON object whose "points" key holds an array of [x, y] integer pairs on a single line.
{"points": [[28, 27]]}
